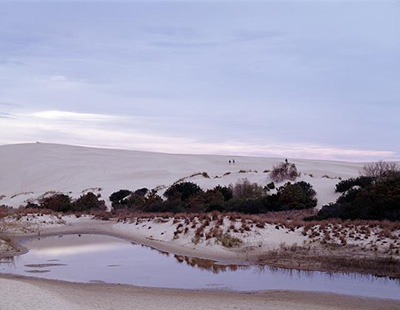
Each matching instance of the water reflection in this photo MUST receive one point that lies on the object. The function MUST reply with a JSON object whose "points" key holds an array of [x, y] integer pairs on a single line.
{"points": [[209, 265], [97, 258], [9, 261]]}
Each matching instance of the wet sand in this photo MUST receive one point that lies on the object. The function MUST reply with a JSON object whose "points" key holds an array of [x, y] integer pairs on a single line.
{"points": [[18, 293]]}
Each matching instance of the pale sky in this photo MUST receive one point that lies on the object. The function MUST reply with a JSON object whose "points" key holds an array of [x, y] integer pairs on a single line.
{"points": [[306, 79]]}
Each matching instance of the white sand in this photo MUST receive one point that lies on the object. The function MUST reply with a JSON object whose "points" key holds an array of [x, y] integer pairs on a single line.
{"points": [[35, 294], [29, 171]]}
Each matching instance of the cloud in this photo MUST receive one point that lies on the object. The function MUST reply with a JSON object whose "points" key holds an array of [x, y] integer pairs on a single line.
{"points": [[74, 116], [5, 115], [95, 130]]}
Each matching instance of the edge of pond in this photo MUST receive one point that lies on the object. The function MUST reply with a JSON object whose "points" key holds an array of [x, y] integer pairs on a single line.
{"points": [[231, 256]]}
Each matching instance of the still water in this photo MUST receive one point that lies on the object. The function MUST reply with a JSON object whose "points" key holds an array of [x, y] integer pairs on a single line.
{"points": [[98, 258]]}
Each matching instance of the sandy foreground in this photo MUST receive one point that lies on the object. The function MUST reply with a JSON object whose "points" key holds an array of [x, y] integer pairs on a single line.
{"points": [[28, 293]]}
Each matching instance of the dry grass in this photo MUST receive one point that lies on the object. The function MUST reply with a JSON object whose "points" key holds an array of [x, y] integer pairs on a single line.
{"points": [[370, 236], [228, 241], [332, 258], [203, 174]]}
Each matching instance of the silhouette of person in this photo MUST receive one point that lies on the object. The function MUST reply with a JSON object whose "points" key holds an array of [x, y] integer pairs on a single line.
{"points": [[229, 162], [233, 161], [286, 161]]}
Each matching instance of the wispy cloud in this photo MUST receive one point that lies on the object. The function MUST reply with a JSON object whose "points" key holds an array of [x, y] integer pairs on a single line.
{"points": [[5, 115], [94, 130], [74, 116]]}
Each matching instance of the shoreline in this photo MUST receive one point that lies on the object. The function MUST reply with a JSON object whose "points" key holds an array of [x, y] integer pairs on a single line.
{"points": [[72, 295], [289, 258], [105, 228]]}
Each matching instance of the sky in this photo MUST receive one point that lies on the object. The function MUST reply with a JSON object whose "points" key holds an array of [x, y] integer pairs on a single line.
{"points": [[294, 79]]}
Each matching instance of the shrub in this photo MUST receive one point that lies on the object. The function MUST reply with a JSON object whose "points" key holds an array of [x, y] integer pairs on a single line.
{"points": [[57, 202], [205, 175], [32, 205], [183, 191], [213, 200], [87, 202], [297, 196], [380, 200], [362, 182], [225, 191], [284, 171], [142, 192], [248, 206], [380, 169], [271, 185], [117, 197], [246, 190], [167, 206], [229, 242], [152, 198]]}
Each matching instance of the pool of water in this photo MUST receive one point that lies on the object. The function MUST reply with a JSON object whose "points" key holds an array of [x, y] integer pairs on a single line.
{"points": [[98, 258]]}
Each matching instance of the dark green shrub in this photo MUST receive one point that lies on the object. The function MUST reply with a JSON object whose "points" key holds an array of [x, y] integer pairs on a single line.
{"points": [[297, 196], [141, 192], [167, 206], [226, 192], [88, 202], [183, 191], [31, 205], [271, 185], [362, 182], [57, 202], [119, 196], [249, 206], [380, 200]]}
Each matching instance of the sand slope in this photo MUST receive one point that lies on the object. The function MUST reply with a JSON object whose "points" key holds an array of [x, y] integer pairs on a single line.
{"points": [[28, 171]]}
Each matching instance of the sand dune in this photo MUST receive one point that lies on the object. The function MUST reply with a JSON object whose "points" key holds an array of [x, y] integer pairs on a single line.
{"points": [[28, 171]]}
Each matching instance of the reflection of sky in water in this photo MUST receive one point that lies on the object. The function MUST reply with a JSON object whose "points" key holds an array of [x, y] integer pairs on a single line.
{"points": [[94, 258], [69, 249]]}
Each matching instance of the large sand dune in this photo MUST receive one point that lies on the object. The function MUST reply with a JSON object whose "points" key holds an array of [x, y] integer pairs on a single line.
{"points": [[28, 171]]}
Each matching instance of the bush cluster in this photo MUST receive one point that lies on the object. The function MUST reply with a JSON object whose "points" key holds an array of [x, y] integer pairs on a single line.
{"points": [[244, 197], [126, 199], [362, 181], [64, 203], [375, 200]]}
